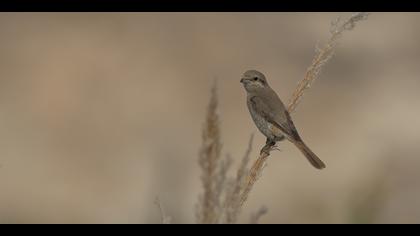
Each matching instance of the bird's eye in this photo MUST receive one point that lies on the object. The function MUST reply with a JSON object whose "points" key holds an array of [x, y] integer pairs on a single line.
{"points": [[255, 78]]}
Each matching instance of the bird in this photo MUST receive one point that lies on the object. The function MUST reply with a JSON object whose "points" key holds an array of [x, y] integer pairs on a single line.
{"points": [[271, 116]]}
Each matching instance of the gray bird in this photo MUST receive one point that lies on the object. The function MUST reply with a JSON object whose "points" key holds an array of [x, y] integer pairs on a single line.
{"points": [[271, 116]]}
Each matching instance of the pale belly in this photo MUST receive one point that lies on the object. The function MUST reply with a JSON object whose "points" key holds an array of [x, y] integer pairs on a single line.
{"points": [[266, 128]]}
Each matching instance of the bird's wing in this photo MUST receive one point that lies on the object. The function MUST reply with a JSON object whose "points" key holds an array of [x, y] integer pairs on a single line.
{"points": [[282, 120]]}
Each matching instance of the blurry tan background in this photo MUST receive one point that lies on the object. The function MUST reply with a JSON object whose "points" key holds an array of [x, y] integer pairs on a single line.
{"points": [[100, 113]]}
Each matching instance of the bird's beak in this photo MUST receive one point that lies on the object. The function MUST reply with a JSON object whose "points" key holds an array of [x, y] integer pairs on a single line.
{"points": [[243, 80]]}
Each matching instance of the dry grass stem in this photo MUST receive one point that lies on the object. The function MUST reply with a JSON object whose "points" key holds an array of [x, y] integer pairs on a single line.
{"points": [[253, 176], [255, 218], [220, 202], [164, 217], [209, 161], [235, 188], [323, 55]]}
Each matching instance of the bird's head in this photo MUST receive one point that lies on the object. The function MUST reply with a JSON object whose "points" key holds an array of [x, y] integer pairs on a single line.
{"points": [[254, 81]]}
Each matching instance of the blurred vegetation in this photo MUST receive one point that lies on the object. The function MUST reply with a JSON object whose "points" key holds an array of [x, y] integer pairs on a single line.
{"points": [[102, 112]]}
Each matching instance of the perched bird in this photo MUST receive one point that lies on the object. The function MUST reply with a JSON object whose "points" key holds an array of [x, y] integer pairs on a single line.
{"points": [[271, 116]]}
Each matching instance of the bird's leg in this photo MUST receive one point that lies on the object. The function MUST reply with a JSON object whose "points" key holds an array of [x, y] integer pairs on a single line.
{"points": [[269, 144], [281, 138], [278, 139]]}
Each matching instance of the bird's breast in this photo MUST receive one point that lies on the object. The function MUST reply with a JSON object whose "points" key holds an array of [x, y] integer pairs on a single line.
{"points": [[263, 126]]}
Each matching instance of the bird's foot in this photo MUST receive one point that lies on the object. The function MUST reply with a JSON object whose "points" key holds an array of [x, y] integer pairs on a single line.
{"points": [[275, 148], [269, 145]]}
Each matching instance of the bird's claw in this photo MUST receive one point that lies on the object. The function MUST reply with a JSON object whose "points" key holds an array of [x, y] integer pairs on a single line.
{"points": [[268, 147], [276, 148]]}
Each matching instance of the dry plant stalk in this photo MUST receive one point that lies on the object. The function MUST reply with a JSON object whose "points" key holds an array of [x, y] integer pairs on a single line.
{"points": [[164, 217], [234, 188], [321, 58], [209, 161], [255, 218], [323, 55], [253, 176], [220, 202]]}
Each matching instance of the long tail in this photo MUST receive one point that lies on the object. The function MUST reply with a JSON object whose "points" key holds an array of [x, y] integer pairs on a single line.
{"points": [[312, 158]]}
